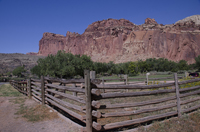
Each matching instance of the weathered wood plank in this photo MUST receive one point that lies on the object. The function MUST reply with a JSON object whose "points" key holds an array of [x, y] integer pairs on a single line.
{"points": [[36, 84], [95, 114], [74, 93], [117, 79], [191, 109], [190, 100], [35, 80], [29, 87], [189, 81], [100, 86], [75, 107], [73, 89], [36, 88], [96, 126], [65, 81], [137, 121], [132, 94], [36, 92], [189, 89], [78, 99], [37, 97], [95, 104], [42, 90], [123, 105], [88, 101], [19, 89], [136, 112], [19, 86], [161, 78], [127, 113], [130, 78], [74, 114], [177, 95], [189, 94]]}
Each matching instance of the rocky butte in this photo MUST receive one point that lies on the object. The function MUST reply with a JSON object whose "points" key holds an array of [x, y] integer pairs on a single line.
{"points": [[122, 41]]}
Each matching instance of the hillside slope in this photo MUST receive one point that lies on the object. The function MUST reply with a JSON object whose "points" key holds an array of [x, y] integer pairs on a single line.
{"points": [[9, 62]]}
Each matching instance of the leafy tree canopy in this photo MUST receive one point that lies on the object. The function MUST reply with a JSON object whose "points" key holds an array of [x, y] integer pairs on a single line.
{"points": [[18, 71], [65, 65], [197, 64]]}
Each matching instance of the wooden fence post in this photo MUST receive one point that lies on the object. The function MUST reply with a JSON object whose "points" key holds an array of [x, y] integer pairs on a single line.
{"points": [[88, 101], [177, 95], [42, 90], [186, 74], [102, 90], [29, 88], [126, 81], [92, 74], [147, 77], [74, 93]]}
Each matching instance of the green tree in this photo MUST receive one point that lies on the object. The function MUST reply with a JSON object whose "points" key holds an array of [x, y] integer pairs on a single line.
{"points": [[124, 68], [197, 63], [143, 66], [18, 71], [111, 67], [100, 67], [9, 73], [63, 65], [133, 68], [182, 65]]}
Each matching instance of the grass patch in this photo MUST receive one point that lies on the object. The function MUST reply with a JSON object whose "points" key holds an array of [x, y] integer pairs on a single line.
{"points": [[36, 113], [7, 90]]}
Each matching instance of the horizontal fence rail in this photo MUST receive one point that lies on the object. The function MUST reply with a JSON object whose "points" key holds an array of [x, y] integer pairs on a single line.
{"points": [[103, 106]]}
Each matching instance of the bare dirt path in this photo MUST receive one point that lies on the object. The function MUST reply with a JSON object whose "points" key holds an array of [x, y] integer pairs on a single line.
{"points": [[10, 122]]}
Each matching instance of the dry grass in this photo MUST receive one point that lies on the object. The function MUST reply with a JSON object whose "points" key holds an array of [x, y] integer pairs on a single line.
{"points": [[36, 113], [187, 123], [32, 113]]}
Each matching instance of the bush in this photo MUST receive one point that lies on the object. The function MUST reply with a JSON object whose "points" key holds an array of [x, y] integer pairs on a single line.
{"points": [[18, 71]]}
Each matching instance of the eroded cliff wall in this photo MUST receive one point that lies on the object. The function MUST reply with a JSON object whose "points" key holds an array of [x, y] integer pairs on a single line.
{"points": [[122, 41]]}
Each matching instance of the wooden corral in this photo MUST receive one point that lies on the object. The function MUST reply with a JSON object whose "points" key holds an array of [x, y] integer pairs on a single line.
{"points": [[106, 107]]}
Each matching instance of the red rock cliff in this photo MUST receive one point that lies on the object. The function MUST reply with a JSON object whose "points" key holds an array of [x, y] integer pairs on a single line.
{"points": [[122, 41]]}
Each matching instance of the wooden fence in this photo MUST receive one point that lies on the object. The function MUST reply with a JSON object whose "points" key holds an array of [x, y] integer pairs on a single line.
{"points": [[83, 100], [143, 80], [20, 86]]}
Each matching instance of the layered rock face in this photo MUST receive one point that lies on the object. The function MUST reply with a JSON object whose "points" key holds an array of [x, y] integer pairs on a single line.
{"points": [[51, 43], [122, 41]]}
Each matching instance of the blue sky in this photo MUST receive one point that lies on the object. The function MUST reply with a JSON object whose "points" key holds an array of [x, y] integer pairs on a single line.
{"points": [[23, 22]]}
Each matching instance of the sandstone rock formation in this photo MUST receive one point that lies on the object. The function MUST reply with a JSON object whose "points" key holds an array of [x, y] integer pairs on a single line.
{"points": [[150, 21], [122, 41], [192, 19]]}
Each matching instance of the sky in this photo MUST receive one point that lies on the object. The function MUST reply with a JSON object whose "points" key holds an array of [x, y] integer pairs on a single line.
{"points": [[23, 22]]}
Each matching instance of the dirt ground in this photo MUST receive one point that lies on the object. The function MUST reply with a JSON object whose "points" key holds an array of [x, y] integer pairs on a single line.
{"points": [[10, 122]]}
